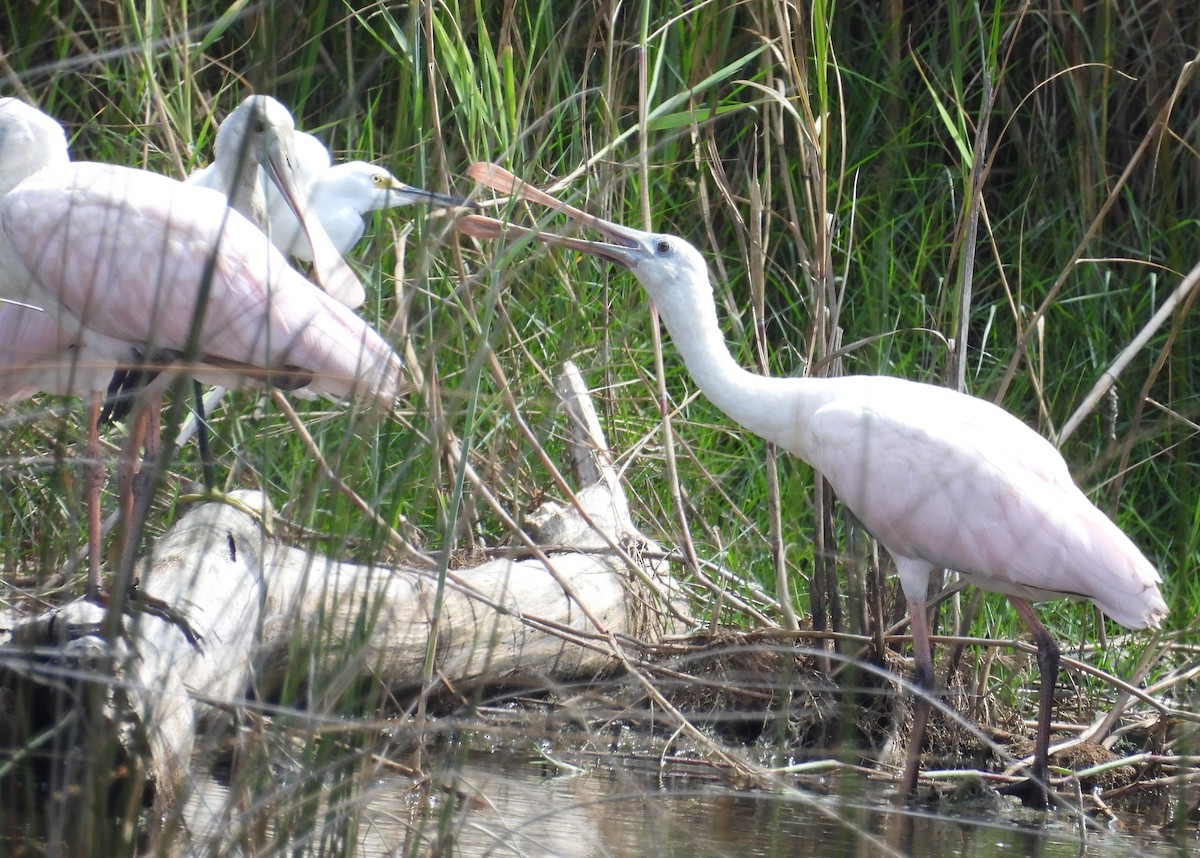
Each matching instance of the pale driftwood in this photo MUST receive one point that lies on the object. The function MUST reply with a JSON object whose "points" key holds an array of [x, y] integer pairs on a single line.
{"points": [[495, 619], [545, 618], [504, 619], [149, 671]]}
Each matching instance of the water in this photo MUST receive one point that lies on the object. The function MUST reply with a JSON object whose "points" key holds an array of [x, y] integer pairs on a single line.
{"points": [[507, 805]]}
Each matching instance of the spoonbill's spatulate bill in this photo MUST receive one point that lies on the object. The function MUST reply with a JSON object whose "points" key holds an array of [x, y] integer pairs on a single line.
{"points": [[941, 479], [257, 140], [339, 195]]}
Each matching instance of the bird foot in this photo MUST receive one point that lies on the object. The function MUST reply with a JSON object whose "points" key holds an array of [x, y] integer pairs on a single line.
{"points": [[216, 496]]}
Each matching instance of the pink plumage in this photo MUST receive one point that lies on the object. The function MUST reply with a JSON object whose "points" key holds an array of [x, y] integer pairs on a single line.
{"points": [[941, 479], [959, 483], [141, 258], [37, 355]]}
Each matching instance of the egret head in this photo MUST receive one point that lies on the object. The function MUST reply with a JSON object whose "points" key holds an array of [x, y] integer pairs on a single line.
{"points": [[29, 141], [367, 187], [673, 272]]}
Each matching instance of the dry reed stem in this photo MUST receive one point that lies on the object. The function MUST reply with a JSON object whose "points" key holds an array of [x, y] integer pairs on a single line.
{"points": [[394, 537]]}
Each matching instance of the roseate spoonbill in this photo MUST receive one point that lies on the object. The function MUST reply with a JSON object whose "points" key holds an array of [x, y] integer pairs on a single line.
{"points": [[941, 479], [339, 195], [255, 140], [259, 134], [39, 356], [117, 255]]}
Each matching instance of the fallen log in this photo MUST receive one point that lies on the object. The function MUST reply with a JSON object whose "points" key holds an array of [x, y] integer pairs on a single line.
{"points": [[549, 615]]}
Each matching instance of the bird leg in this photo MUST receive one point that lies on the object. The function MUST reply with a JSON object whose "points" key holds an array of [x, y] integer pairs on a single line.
{"points": [[136, 480], [93, 481], [1037, 788], [127, 470], [137, 492], [923, 656], [146, 479], [206, 458]]}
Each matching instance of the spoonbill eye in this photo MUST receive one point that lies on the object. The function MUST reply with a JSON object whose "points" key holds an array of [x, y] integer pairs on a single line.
{"points": [[662, 247]]}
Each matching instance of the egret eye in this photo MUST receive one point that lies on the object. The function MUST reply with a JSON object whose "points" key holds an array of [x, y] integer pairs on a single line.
{"points": [[662, 247], [378, 180], [260, 127]]}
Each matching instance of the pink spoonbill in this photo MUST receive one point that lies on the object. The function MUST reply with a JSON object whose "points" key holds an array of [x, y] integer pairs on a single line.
{"points": [[941, 479], [37, 355], [134, 258]]}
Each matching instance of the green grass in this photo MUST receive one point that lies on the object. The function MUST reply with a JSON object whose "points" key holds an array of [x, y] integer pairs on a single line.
{"points": [[824, 165]]}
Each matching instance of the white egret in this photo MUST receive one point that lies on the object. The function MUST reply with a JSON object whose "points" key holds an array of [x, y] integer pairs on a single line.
{"points": [[339, 195], [941, 479]]}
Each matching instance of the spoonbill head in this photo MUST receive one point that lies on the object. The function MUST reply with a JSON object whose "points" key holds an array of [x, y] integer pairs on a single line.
{"points": [[257, 134], [260, 134], [672, 271], [29, 141]]}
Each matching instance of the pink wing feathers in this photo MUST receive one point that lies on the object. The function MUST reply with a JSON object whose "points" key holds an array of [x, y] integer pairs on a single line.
{"points": [[960, 483], [136, 257], [37, 355]]}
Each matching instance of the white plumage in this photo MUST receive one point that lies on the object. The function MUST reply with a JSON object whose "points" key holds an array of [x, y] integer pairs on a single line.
{"points": [[255, 149], [339, 195], [941, 479], [120, 264]]}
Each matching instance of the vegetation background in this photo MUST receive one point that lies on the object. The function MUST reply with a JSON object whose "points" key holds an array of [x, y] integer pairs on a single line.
{"points": [[996, 197]]}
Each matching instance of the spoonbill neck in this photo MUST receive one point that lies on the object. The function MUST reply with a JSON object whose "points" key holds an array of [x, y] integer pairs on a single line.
{"points": [[768, 407]]}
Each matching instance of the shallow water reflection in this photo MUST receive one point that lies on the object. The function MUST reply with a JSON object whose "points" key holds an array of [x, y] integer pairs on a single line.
{"points": [[509, 805]]}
